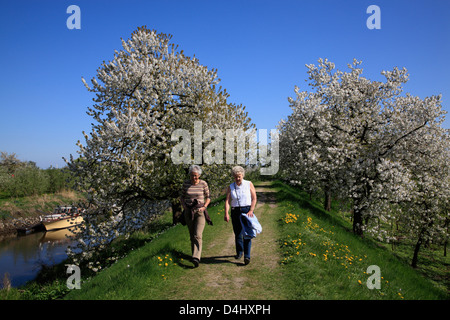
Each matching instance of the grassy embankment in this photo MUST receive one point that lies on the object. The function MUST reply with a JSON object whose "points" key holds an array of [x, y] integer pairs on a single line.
{"points": [[32, 206], [324, 260], [302, 253]]}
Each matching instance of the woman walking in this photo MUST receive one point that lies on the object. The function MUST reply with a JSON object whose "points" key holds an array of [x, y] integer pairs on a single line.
{"points": [[195, 199], [241, 196]]}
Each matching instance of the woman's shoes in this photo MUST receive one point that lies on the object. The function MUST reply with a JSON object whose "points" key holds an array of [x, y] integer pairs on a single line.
{"points": [[246, 260], [195, 262]]}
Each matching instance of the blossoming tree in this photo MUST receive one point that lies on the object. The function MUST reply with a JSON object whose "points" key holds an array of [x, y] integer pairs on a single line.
{"points": [[354, 137], [144, 93], [426, 213]]}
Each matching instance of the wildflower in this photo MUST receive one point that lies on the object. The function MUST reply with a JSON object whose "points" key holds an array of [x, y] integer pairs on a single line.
{"points": [[359, 281]]}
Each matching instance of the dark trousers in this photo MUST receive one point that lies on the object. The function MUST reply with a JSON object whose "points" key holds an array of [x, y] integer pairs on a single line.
{"points": [[242, 245]]}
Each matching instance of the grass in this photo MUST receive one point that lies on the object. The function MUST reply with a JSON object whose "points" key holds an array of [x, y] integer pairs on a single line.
{"points": [[161, 270], [31, 206], [303, 253], [323, 260]]}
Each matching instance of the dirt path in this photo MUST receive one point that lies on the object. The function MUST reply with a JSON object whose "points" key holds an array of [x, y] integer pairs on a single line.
{"points": [[223, 277]]}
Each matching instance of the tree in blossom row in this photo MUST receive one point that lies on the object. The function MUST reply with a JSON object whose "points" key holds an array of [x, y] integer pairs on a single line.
{"points": [[366, 141], [142, 95]]}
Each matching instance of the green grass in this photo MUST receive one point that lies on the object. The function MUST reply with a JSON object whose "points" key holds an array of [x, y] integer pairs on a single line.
{"points": [[32, 206], [323, 260], [140, 274], [304, 253], [162, 269]]}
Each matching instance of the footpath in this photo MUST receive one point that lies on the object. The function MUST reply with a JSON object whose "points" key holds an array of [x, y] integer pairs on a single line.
{"points": [[221, 276], [161, 270]]}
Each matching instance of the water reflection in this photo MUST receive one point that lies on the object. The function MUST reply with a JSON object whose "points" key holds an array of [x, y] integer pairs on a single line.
{"points": [[22, 256]]}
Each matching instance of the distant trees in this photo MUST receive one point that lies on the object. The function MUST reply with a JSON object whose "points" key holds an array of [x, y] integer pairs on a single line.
{"points": [[19, 179], [364, 141]]}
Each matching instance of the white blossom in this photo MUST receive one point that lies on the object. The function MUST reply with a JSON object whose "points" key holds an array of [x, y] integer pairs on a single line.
{"points": [[144, 93], [366, 141]]}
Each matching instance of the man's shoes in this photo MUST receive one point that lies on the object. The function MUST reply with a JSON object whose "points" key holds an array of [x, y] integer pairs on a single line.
{"points": [[246, 261], [195, 262], [238, 256]]}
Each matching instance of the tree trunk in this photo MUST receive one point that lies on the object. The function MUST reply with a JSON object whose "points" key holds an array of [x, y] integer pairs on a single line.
{"points": [[327, 203], [446, 238], [445, 248], [327, 199], [357, 222], [176, 211], [416, 250]]}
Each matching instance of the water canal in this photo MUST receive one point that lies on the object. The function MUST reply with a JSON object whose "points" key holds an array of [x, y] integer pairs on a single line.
{"points": [[22, 257]]}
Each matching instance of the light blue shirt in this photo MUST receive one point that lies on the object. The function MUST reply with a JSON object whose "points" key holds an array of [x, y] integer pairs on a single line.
{"points": [[250, 226]]}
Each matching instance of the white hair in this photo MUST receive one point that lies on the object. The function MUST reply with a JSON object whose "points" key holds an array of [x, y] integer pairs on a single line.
{"points": [[238, 169], [195, 168]]}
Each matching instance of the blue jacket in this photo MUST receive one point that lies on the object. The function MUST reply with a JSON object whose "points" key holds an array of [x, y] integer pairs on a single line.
{"points": [[250, 226]]}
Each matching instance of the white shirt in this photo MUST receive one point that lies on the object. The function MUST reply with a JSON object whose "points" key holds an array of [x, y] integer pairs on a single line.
{"points": [[242, 193]]}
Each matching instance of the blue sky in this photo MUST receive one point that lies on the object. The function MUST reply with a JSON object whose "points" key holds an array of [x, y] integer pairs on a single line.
{"points": [[260, 49]]}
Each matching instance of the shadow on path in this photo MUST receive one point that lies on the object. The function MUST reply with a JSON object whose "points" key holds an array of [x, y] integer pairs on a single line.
{"points": [[184, 260]]}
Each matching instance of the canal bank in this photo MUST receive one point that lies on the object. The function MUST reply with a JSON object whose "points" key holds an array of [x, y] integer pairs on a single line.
{"points": [[9, 227], [25, 211], [22, 257], [51, 282]]}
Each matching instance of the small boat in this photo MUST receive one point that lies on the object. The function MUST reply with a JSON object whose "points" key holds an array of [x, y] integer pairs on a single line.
{"points": [[62, 217], [30, 229]]}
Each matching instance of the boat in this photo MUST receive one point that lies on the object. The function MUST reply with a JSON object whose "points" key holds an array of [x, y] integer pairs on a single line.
{"points": [[30, 229], [60, 235], [62, 217]]}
